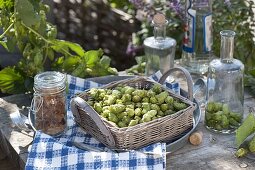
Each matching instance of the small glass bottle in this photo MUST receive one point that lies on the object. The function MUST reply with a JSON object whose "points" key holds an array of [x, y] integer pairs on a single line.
{"points": [[159, 49], [49, 102], [225, 89], [198, 37]]}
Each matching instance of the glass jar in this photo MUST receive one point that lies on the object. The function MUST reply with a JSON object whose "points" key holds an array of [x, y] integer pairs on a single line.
{"points": [[49, 102], [225, 89]]}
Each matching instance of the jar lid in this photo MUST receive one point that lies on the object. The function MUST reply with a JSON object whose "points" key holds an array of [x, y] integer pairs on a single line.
{"points": [[49, 79]]}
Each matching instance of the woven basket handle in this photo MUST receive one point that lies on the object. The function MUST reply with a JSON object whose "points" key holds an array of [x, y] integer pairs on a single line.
{"points": [[187, 76], [78, 103]]}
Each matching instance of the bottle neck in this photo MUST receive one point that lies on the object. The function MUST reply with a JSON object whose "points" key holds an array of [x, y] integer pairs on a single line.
{"points": [[159, 32], [202, 3], [227, 45]]}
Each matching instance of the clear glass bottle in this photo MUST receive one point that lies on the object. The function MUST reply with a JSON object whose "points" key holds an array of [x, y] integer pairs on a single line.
{"points": [[49, 102], [225, 89], [198, 37], [159, 49]]}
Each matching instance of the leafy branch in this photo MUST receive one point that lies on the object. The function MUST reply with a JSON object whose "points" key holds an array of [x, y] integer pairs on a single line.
{"points": [[6, 31], [25, 28]]}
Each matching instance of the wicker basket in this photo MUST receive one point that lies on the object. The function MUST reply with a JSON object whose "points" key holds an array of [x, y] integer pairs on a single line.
{"points": [[159, 130]]}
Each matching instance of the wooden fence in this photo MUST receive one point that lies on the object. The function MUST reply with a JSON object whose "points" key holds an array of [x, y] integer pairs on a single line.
{"points": [[94, 24]]}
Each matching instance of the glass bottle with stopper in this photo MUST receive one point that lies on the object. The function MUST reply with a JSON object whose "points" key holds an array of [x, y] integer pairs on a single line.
{"points": [[159, 49], [225, 88]]}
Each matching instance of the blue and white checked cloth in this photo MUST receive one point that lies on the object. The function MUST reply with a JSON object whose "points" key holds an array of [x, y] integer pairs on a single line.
{"points": [[59, 153]]}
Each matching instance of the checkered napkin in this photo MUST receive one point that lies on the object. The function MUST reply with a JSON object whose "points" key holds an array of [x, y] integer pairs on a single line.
{"points": [[59, 153]]}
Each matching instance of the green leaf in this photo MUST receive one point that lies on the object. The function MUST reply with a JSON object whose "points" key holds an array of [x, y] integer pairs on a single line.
{"points": [[79, 71], [3, 43], [11, 81], [105, 61], [50, 54], [112, 71], [6, 3], [60, 48], [1, 4], [140, 59], [92, 57], [70, 63], [246, 129], [252, 72], [58, 63], [38, 58], [11, 44], [26, 12], [59, 44]]}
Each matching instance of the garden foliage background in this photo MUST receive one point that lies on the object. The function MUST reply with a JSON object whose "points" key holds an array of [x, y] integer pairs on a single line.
{"points": [[102, 35]]}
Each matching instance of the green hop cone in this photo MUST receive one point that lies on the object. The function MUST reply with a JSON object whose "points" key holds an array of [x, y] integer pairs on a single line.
{"points": [[252, 145], [126, 98], [130, 112], [164, 107], [98, 108], [225, 109], [129, 90], [136, 98], [169, 100], [151, 93], [149, 115], [160, 113], [241, 152], [179, 106], [210, 107], [133, 122], [217, 106], [146, 100], [161, 97], [233, 122], [138, 112], [169, 112], [146, 106], [237, 116], [153, 100], [117, 93], [155, 107], [224, 122], [122, 124], [113, 118], [156, 88], [117, 108], [126, 119]]}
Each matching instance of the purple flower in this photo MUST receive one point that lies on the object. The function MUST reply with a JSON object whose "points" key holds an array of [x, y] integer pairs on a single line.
{"points": [[137, 3], [177, 7], [144, 10], [132, 49], [228, 3]]}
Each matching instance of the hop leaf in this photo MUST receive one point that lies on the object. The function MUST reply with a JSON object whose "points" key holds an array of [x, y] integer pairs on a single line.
{"points": [[11, 81], [26, 12], [247, 128]]}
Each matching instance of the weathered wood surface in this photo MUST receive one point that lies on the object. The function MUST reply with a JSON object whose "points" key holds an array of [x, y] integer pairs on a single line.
{"points": [[216, 151], [13, 142]]}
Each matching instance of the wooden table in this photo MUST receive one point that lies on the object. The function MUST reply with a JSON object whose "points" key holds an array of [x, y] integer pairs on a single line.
{"points": [[216, 151]]}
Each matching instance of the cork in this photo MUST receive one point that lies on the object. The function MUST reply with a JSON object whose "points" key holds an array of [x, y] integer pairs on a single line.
{"points": [[196, 138], [159, 18]]}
